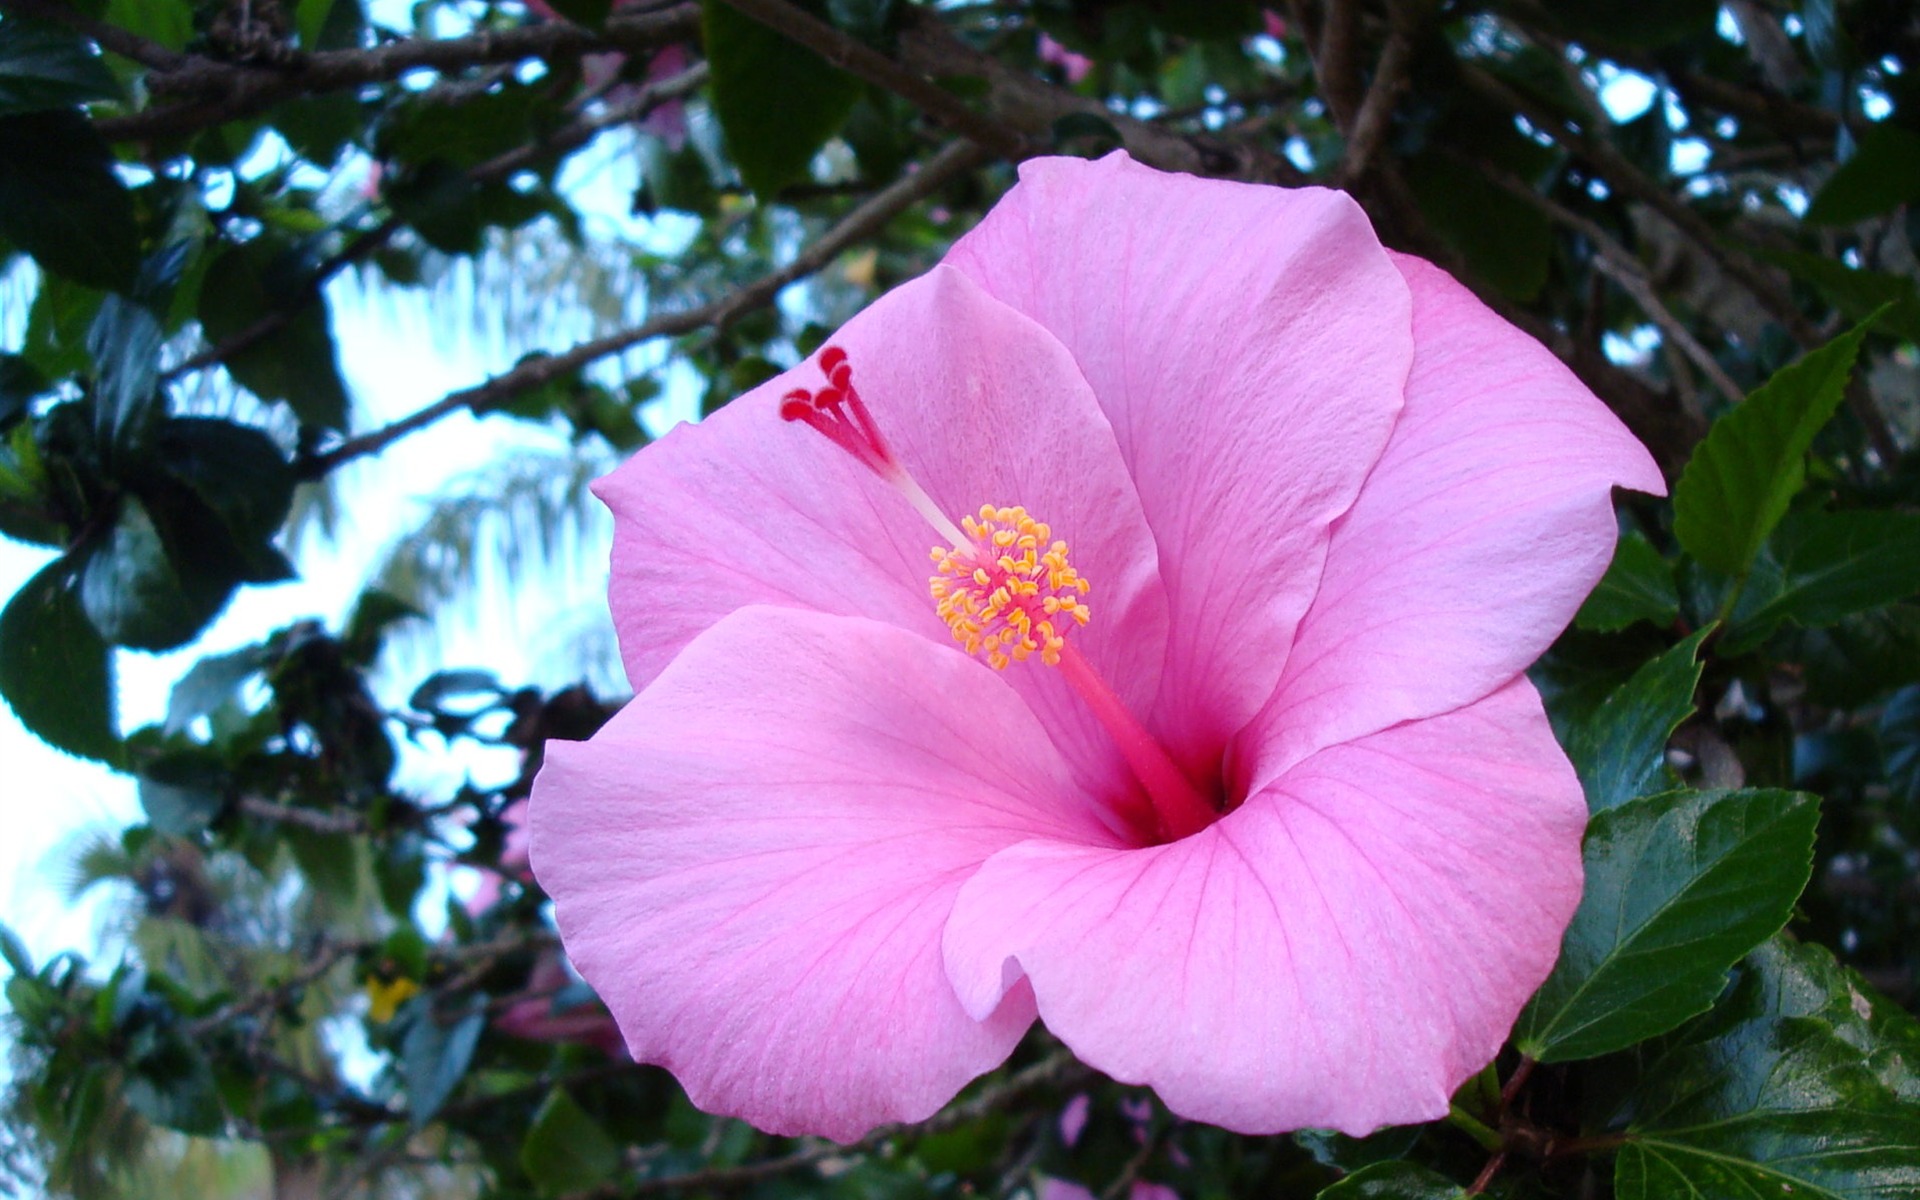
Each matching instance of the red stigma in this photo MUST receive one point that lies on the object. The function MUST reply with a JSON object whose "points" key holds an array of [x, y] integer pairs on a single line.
{"points": [[837, 411]]}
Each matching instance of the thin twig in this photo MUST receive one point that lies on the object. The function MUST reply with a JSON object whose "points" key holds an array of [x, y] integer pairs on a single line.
{"points": [[1487, 1173], [1617, 263], [1625, 273], [230, 91], [862, 222], [1049, 1071], [311, 819], [324, 960], [1031, 107], [1336, 60], [1368, 130]]}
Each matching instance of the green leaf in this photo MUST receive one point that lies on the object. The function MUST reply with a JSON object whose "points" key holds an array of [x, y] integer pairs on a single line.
{"points": [[1679, 888], [44, 66], [1636, 22], [1883, 172], [61, 201], [211, 684], [125, 341], [169, 22], [296, 363], [1801, 1084], [135, 594], [1620, 752], [1638, 586], [1395, 1181], [182, 788], [1738, 483], [366, 628], [1834, 564], [1856, 293], [54, 667], [777, 102], [239, 474], [1504, 240], [434, 1057], [565, 1149], [20, 382]]}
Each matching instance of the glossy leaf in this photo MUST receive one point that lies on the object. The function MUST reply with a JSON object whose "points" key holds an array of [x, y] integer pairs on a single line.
{"points": [[1858, 294], [1679, 887], [20, 382], [434, 1056], [1801, 1083], [1395, 1181], [777, 102], [54, 668], [136, 594], [61, 201], [1638, 586], [1620, 752], [565, 1149], [211, 684], [125, 341], [1833, 564], [1738, 483], [44, 66]]}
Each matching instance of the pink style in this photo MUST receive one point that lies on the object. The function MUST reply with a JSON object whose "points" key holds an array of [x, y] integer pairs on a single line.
{"points": [[1279, 829]]}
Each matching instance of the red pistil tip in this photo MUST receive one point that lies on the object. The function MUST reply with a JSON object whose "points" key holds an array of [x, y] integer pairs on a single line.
{"points": [[838, 412]]}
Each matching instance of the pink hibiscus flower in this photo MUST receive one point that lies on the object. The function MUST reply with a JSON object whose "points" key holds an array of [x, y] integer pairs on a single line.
{"points": [[1283, 833]]}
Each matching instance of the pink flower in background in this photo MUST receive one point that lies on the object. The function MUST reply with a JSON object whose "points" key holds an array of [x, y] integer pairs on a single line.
{"points": [[543, 1015], [667, 121], [1280, 831], [1073, 66]]}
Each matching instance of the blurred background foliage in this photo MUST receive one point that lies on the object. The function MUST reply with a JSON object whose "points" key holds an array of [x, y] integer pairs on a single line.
{"points": [[338, 978]]}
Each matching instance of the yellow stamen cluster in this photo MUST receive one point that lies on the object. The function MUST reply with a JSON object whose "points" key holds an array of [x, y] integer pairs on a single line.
{"points": [[1010, 593]]}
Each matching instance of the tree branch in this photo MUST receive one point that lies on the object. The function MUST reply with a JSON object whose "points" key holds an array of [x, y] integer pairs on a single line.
{"points": [[1054, 1069], [1618, 263], [1336, 60], [568, 137], [1368, 128], [231, 91], [864, 221], [1031, 107]]}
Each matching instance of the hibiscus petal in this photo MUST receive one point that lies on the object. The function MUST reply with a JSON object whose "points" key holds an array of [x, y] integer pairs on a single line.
{"points": [[1340, 951], [752, 862], [1249, 345], [983, 406], [1487, 522]]}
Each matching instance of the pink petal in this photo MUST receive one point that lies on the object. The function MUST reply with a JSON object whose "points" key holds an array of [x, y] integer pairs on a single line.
{"points": [[1249, 345], [983, 406], [752, 862], [1487, 522], [1340, 951]]}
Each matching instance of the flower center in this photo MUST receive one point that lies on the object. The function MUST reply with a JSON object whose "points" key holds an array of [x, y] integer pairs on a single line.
{"points": [[1008, 593], [1005, 589]]}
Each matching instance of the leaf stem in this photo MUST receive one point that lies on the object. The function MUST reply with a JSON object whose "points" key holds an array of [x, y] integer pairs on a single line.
{"points": [[1488, 1137]]}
